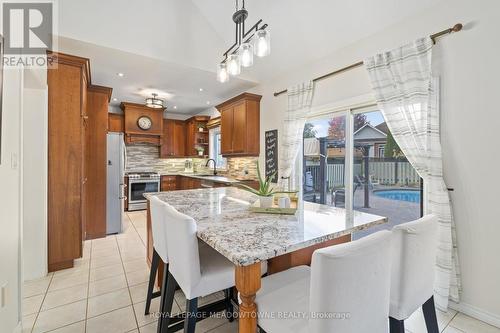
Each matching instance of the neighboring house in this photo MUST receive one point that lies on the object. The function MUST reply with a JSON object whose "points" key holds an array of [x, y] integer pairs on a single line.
{"points": [[375, 137]]}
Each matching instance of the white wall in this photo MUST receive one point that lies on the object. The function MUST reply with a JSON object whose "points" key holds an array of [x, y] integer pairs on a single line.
{"points": [[35, 112], [468, 65], [10, 199]]}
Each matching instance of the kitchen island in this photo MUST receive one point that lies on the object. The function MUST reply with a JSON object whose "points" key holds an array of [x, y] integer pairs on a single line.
{"points": [[246, 238]]}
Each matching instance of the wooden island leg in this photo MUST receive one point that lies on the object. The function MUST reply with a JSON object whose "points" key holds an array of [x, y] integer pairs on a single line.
{"points": [[248, 283]]}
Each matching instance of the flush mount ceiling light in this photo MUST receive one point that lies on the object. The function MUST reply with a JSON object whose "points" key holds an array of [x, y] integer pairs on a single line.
{"points": [[256, 40], [154, 102]]}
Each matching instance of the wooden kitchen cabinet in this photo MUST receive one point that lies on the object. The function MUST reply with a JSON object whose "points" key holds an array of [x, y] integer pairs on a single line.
{"points": [[98, 98], [188, 183], [133, 132], [174, 139], [195, 137], [77, 127], [168, 183], [66, 141], [240, 125], [116, 123]]}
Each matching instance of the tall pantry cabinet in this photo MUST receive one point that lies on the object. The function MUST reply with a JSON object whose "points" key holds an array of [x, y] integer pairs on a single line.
{"points": [[69, 160]]}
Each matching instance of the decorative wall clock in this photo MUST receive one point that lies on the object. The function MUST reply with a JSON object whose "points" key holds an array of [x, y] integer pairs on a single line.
{"points": [[144, 123]]}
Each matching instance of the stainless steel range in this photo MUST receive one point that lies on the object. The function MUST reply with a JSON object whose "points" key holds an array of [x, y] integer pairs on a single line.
{"points": [[140, 183]]}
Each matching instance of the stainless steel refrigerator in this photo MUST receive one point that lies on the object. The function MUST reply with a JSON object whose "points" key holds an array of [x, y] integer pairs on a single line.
{"points": [[115, 186]]}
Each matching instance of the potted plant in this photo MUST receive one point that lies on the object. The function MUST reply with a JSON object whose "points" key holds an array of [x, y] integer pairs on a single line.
{"points": [[200, 150], [265, 192]]}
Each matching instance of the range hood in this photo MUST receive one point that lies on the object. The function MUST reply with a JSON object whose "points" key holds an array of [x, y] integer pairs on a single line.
{"points": [[142, 124]]}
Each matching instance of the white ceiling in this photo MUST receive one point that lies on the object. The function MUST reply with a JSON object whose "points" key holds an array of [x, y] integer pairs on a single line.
{"points": [[306, 30], [174, 45], [178, 84]]}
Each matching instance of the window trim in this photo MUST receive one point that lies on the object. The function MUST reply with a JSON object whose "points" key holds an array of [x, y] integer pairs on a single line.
{"points": [[212, 144]]}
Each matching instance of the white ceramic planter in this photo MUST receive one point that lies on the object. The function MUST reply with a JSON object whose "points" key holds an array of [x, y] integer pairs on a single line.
{"points": [[266, 202]]}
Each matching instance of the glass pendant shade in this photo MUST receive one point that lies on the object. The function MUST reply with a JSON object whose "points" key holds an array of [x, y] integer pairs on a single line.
{"points": [[222, 74], [233, 64], [246, 54], [262, 43]]}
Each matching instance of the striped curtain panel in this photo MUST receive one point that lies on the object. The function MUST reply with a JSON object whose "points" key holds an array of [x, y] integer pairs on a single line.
{"points": [[407, 95], [299, 104]]}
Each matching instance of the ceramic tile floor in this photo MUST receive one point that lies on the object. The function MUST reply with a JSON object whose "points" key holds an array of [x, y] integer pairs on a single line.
{"points": [[106, 291]]}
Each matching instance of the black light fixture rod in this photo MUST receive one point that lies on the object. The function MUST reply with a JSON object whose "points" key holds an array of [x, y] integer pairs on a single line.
{"points": [[254, 27], [239, 18], [252, 30]]}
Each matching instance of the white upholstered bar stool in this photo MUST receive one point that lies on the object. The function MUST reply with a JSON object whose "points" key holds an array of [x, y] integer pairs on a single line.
{"points": [[413, 267], [345, 290], [160, 250], [198, 273]]}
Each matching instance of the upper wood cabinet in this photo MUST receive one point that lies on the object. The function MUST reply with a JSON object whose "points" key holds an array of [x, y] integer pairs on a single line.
{"points": [[240, 125], [173, 142], [197, 135], [116, 122]]}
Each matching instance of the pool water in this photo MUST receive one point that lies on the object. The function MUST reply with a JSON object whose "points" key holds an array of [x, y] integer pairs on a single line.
{"points": [[401, 195]]}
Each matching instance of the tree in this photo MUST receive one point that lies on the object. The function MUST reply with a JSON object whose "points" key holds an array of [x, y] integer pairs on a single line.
{"points": [[392, 149], [309, 131], [336, 129], [359, 121]]}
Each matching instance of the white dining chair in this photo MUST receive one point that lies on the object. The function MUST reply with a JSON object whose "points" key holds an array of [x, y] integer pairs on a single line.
{"points": [[346, 290], [413, 267], [160, 250], [197, 273]]}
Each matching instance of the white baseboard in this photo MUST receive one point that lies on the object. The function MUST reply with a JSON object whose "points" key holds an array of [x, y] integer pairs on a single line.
{"points": [[477, 313]]}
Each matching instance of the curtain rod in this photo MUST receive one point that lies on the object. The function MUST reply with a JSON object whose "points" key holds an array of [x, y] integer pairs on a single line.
{"points": [[457, 27]]}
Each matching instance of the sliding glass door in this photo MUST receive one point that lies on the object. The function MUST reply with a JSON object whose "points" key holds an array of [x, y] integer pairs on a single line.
{"points": [[351, 161]]}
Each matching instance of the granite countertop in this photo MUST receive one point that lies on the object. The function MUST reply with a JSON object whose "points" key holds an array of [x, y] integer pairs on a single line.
{"points": [[225, 223], [205, 176]]}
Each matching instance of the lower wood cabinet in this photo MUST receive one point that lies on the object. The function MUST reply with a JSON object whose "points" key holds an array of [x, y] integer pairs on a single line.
{"points": [[188, 183], [168, 183]]}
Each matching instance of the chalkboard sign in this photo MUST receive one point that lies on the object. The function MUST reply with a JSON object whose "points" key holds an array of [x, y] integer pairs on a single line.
{"points": [[272, 154]]}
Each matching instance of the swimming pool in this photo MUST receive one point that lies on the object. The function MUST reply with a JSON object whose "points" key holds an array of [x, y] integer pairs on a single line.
{"points": [[401, 195]]}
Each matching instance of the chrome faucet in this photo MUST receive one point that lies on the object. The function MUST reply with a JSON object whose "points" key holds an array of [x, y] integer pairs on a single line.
{"points": [[215, 165]]}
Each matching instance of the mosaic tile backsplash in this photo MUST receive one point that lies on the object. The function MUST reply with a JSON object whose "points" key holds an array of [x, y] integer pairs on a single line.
{"points": [[145, 157]]}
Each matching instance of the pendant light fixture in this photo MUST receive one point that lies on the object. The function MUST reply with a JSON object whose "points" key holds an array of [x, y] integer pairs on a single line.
{"points": [[256, 40], [246, 54], [154, 102], [222, 73], [233, 64], [262, 43]]}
